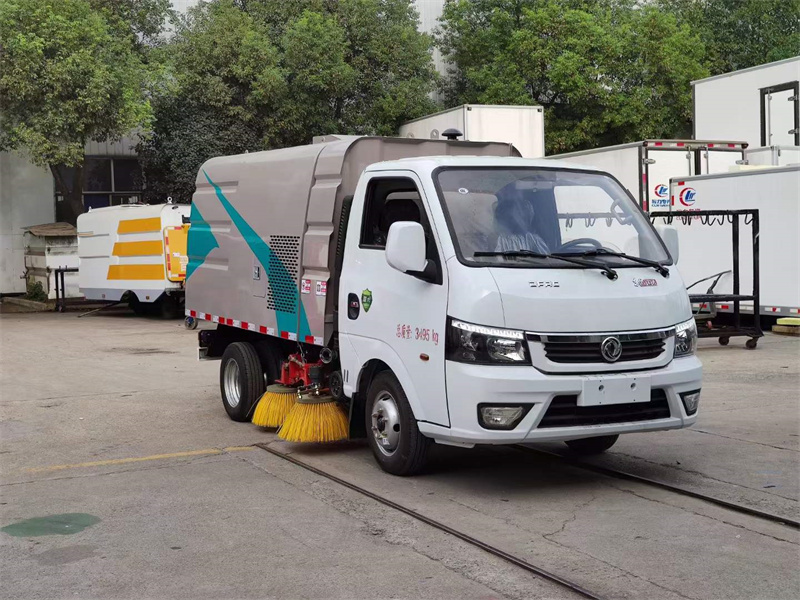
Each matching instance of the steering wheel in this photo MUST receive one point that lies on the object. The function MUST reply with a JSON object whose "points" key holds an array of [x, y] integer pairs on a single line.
{"points": [[580, 242]]}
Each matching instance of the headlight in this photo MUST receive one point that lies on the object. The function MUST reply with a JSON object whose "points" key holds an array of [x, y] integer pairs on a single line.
{"points": [[477, 344], [685, 338]]}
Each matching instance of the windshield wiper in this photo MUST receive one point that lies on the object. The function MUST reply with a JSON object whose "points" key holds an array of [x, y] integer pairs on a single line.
{"points": [[642, 261], [604, 269]]}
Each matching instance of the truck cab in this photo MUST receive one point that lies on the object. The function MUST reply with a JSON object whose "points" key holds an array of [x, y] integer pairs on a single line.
{"points": [[499, 300]]}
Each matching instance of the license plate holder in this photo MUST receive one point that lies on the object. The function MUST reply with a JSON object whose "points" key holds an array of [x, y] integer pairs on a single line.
{"points": [[601, 390]]}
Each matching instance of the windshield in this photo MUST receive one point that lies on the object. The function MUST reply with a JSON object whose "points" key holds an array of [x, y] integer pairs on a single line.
{"points": [[547, 211]]}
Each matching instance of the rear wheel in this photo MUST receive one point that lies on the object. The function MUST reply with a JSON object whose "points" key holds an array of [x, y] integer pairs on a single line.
{"points": [[168, 306], [241, 380], [135, 304], [592, 445], [392, 431]]}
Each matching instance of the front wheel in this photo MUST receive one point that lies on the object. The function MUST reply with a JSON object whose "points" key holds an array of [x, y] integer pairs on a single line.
{"points": [[592, 445], [241, 380], [393, 435]]}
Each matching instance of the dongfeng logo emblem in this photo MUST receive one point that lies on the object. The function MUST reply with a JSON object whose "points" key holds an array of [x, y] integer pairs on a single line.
{"points": [[611, 349]]}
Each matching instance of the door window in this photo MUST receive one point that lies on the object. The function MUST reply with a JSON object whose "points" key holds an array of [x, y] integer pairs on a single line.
{"points": [[392, 200]]}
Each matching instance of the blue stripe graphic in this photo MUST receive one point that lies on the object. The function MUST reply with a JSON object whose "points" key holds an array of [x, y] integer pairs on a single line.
{"points": [[278, 277]]}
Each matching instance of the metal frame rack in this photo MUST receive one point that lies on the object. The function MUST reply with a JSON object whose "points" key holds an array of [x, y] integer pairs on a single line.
{"points": [[719, 217]]}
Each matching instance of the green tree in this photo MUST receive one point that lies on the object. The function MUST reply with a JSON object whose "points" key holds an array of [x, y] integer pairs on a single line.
{"points": [[605, 71], [278, 72], [67, 76], [741, 33]]}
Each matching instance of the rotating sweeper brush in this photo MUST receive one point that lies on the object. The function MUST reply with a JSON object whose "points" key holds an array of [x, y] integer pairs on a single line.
{"points": [[315, 417], [274, 405]]}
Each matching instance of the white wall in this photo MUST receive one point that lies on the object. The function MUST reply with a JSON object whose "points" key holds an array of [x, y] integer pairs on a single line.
{"points": [[728, 107], [26, 198]]}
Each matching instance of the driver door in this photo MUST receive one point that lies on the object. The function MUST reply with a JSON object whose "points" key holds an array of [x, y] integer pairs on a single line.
{"points": [[386, 314]]}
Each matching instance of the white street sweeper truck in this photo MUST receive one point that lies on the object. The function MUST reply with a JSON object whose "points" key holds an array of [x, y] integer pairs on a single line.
{"points": [[422, 291]]}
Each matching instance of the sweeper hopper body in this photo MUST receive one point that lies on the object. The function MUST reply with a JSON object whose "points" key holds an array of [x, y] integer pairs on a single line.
{"points": [[419, 290]]}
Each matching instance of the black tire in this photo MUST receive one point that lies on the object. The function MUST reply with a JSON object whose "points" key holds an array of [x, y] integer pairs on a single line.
{"points": [[168, 307], [592, 445], [751, 344], [411, 452], [190, 323], [136, 305], [269, 356], [724, 341], [240, 374]]}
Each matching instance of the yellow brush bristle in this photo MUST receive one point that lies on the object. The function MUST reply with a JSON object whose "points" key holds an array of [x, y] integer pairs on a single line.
{"points": [[318, 422], [273, 407]]}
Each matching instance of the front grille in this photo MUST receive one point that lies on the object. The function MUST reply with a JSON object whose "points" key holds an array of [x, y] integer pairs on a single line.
{"points": [[565, 412], [589, 352]]}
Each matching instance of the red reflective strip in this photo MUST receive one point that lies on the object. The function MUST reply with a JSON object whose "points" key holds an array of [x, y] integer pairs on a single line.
{"points": [[659, 144], [774, 309], [262, 329], [681, 182], [309, 339], [711, 145], [244, 324], [731, 145], [680, 144], [209, 317], [192, 313], [285, 335], [725, 306]]}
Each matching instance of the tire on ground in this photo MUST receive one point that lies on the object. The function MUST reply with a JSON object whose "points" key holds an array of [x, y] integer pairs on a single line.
{"points": [[168, 306], [592, 445], [136, 305], [410, 456], [241, 380]]}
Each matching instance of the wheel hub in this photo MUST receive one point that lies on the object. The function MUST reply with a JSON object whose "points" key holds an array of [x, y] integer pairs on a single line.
{"points": [[233, 390], [386, 423]]}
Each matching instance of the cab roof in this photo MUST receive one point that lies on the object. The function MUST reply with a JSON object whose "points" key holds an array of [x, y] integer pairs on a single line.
{"points": [[429, 163]]}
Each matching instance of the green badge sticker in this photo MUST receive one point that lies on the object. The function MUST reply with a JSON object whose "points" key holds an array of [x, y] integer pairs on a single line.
{"points": [[366, 299]]}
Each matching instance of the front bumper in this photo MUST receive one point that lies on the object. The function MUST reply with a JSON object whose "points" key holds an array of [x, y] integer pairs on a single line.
{"points": [[470, 385]]}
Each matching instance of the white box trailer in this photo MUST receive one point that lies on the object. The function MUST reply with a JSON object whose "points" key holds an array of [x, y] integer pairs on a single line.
{"points": [[135, 249], [646, 167], [706, 249], [522, 126], [759, 105], [773, 156]]}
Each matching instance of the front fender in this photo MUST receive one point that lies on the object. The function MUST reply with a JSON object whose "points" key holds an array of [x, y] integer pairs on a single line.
{"points": [[357, 352]]}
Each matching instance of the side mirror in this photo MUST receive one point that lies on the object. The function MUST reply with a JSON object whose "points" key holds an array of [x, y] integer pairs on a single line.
{"points": [[670, 237], [405, 247]]}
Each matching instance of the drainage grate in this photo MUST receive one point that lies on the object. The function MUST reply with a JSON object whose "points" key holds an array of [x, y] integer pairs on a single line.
{"points": [[284, 263]]}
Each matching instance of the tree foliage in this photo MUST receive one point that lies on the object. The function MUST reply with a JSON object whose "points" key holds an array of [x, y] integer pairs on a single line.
{"points": [[741, 33], [605, 71], [260, 74], [68, 75]]}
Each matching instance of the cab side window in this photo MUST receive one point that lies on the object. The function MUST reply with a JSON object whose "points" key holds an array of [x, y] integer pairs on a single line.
{"points": [[388, 201], [392, 200]]}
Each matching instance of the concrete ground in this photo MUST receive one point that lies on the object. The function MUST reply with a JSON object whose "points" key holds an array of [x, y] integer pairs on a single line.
{"points": [[112, 416]]}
